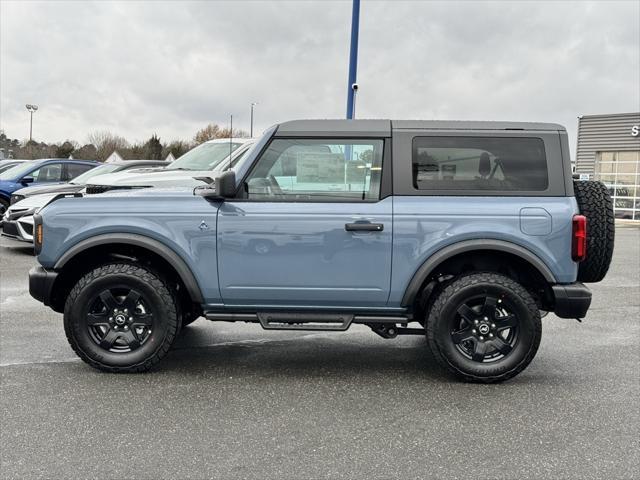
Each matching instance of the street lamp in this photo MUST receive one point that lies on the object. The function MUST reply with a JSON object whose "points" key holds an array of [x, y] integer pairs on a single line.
{"points": [[31, 109], [253, 104]]}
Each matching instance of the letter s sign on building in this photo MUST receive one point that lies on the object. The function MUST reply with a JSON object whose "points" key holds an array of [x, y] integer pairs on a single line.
{"points": [[635, 130]]}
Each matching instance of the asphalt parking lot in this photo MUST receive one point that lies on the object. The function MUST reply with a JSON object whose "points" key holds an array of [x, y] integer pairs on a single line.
{"points": [[233, 401]]}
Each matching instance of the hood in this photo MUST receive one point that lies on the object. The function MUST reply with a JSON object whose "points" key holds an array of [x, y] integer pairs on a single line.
{"points": [[34, 202], [40, 189], [7, 184], [160, 178]]}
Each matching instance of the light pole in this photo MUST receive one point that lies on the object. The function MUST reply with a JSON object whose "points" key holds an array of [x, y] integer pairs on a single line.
{"points": [[352, 87], [253, 104], [31, 109]]}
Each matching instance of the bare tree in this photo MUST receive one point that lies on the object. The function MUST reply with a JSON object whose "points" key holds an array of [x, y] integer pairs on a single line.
{"points": [[213, 131], [106, 143]]}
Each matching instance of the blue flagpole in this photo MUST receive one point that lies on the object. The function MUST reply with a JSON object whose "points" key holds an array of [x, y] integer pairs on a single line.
{"points": [[353, 58]]}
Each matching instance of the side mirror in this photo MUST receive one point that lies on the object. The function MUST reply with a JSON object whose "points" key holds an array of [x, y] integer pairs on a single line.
{"points": [[27, 180], [224, 187], [226, 184]]}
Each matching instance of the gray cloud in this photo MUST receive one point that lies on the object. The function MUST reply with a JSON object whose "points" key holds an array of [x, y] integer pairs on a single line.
{"points": [[138, 68]]}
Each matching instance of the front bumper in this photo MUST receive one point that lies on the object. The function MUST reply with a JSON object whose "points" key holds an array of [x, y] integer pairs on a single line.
{"points": [[17, 225], [572, 300], [18, 230], [41, 283]]}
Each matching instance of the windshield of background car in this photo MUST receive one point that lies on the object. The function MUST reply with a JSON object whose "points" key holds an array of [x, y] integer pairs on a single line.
{"points": [[101, 170], [6, 166], [204, 157], [223, 166], [18, 171]]}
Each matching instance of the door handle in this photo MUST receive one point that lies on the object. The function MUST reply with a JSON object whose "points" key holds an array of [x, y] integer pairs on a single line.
{"points": [[364, 227]]}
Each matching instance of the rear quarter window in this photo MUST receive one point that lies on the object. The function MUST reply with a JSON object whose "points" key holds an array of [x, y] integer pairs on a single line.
{"points": [[479, 164]]}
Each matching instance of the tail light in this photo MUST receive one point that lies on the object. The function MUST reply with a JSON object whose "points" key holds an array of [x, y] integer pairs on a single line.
{"points": [[579, 238]]}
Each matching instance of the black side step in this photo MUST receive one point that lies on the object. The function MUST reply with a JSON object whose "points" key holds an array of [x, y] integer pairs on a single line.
{"points": [[307, 321], [325, 321]]}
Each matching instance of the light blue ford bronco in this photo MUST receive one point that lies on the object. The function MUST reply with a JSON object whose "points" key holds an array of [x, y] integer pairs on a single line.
{"points": [[465, 232]]}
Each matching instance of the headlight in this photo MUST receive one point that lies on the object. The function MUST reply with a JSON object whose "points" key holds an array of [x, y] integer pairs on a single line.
{"points": [[16, 198]]}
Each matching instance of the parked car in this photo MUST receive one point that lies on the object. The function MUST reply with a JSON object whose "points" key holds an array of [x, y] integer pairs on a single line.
{"points": [[17, 221], [190, 170], [468, 230], [7, 164], [78, 183], [35, 172]]}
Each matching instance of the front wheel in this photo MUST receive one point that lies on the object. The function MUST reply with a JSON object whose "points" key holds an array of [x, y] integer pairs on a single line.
{"points": [[484, 327], [121, 318]]}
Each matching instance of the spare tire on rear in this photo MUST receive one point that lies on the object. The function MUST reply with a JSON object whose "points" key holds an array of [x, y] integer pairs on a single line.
{"points": [[595, 203]]}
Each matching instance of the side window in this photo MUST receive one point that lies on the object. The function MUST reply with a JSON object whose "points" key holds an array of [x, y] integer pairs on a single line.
{"points": [[306, 169], [49, 173], [479, 163], [75, 169]]}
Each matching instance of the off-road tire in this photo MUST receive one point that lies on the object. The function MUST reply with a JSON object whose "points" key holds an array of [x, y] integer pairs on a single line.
{"points": [[156, 292], [443, 312], [595, 203]]}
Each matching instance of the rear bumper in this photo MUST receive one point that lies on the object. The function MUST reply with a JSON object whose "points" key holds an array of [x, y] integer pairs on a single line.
{"points": [[41, 283], [571, 300]]}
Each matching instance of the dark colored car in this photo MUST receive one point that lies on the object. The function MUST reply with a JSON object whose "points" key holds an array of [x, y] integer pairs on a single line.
{"points": [[79, 182], [46, 171], [9, 163]]}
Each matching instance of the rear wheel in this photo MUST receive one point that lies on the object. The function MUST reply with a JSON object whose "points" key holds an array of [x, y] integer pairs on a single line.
{"points": [[121, 318], [484, 327]]}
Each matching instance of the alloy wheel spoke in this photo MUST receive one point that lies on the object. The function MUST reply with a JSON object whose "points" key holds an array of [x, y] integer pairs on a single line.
{"points": [[461, 335], [508, 321], [131, 339], [131, 300], [467, 313], [143, 319], [109, 300], [489, 308], [109, 339], [479, 350], [94, 319], [500, 345]]}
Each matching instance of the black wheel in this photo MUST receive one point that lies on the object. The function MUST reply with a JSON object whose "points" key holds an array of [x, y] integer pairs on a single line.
{"points": [[484, 327], [121, 318], [4, 204], [595, 203]]}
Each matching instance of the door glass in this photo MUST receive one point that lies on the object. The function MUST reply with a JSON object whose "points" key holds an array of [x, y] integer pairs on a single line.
{"points": [[75, 169], [48, 173], [312, 170]]}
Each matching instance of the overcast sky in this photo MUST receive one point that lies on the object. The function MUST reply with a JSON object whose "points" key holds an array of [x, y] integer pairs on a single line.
{"points": [[170, 67]]}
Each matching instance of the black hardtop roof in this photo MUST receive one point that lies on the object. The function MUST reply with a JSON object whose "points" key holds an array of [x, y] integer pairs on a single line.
{"points": [[383, 128]]}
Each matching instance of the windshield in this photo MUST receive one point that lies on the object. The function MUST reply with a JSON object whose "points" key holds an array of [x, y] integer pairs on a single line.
{"points": [[6, 166], [224, 165], [204, 157], [101, 170], [18, 171]]}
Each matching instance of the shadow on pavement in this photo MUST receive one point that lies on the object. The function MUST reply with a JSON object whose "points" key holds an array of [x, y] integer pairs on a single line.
{"points": [[304, 357], [23, 249]]}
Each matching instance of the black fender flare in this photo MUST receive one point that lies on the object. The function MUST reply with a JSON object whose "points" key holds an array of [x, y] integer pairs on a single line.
{"points": [[449, 251], [159, 248]]}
